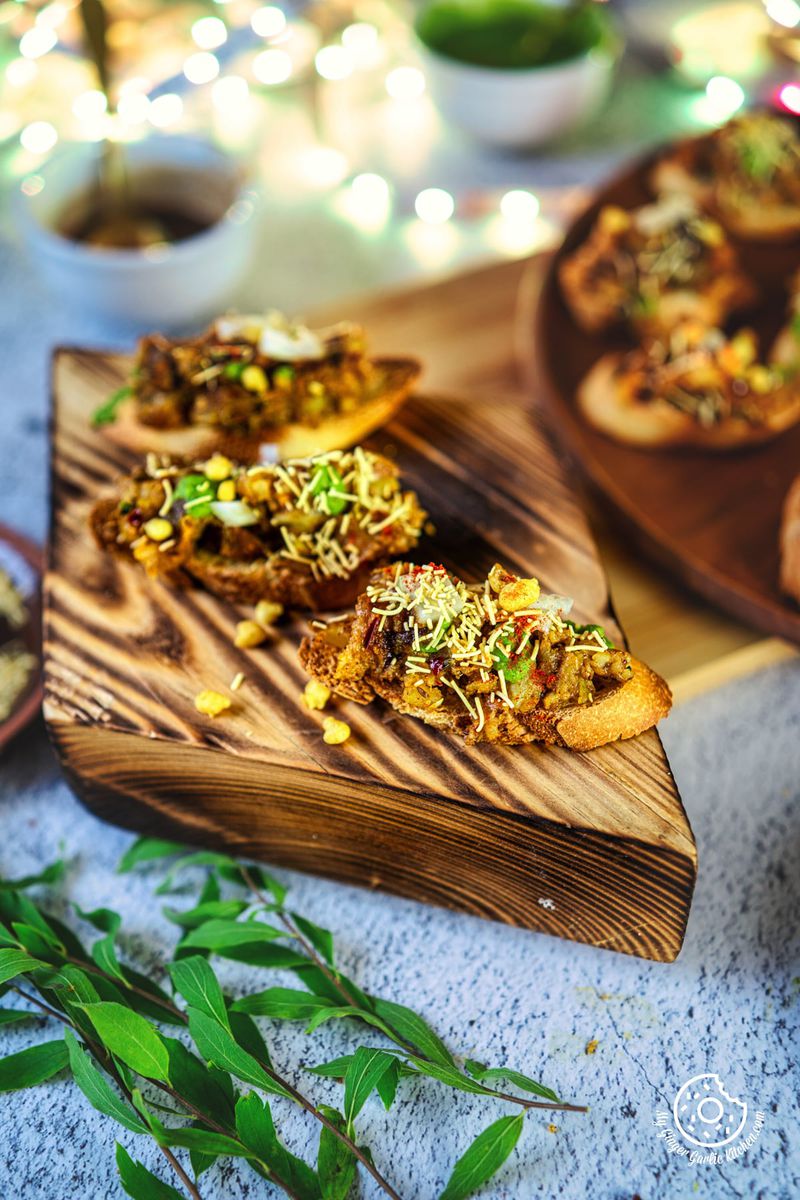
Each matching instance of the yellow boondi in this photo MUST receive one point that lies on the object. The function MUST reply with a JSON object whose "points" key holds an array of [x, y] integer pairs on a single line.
{"points": [[210, 703]]}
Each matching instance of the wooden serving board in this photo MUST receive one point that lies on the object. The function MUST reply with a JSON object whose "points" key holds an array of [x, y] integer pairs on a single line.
{"points": [[711, 518], [594, 847]]}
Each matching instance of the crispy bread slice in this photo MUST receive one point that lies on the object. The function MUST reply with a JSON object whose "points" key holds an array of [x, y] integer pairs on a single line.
{"points": [[790, 542], [658, 425], [623, 711]]}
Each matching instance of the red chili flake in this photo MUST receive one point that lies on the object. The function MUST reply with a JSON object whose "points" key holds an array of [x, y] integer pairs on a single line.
{"points": [[387, 531], [368, 636]]}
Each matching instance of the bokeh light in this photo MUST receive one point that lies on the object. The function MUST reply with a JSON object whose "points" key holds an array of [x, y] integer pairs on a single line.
{"points": [[209, 33], [405, 83], [90, 105], [519, 206], [165, 110], [37, 41], [272, 66], [268, 21], [725, 95], [789, 97], [230, 93], [334, 62], [784, 12], [21, 71], [201, 67], [434, 206], [38, 137]]}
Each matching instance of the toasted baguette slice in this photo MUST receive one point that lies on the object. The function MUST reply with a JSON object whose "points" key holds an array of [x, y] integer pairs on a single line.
{"points": [[393, 381], [746, 174], [790, 542], [644, 400], [288, 533], [348, 657]]}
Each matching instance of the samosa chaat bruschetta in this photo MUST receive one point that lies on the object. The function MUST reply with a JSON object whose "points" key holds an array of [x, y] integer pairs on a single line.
{"points": [[694, 388], [493, 662], [254, 379], [747, 174], [650, 267], [305, 533]]}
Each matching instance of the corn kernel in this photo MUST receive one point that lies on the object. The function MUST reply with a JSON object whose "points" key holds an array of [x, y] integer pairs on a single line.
{"points": [[316, 694], [760, 378], [211, 704], [226, 490], [158, 529], [254, 378], [744, 346], [614, 219], [249, 634], [218, 468], [522, 593], [709, 232], [335, 732], [268, 612]]}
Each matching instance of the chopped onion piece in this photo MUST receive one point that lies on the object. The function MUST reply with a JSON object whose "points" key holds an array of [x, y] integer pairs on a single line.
{"points": [[234, 512]]}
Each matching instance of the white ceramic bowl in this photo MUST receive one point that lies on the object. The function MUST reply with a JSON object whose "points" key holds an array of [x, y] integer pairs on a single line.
{"points": [[520, 107], [161, 286]]}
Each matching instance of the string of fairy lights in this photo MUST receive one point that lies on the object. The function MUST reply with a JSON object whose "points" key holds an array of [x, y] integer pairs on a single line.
{"points": [[225, 70]]}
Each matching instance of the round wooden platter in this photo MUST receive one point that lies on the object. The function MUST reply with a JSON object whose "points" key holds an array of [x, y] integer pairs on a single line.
{"points": [[22, 559], [713, 519]]}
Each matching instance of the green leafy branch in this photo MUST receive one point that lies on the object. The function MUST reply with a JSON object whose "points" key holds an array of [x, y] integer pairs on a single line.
{"points": [[133, 1071]]}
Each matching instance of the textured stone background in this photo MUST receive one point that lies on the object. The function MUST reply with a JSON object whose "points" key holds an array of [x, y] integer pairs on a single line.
{"points": [[729, 1004]]}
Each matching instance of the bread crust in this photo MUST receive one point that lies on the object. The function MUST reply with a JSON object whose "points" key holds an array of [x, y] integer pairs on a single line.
{"points": [[790, 542], [623, 711], [658, 425]]}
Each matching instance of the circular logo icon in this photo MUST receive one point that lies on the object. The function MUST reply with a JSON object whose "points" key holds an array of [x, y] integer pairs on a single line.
{"points": [[705, 1114]]}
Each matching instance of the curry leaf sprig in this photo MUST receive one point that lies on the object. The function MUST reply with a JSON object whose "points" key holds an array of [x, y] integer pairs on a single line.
{"points": [[137, 1072]]}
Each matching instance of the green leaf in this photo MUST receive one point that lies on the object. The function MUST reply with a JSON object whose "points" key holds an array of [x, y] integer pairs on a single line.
{"points": [[140, 1183], [387, 1084], [266, 954], [192, 917], [246, 1034], [145, 849], [218, 1047], [332, 1014], [483, 1158], [104, 951], [40, 945], [285, 1004], [362, 1078], [255, 1127], [131, 1038], [206, 1089], [222, 934], [97, 1089], [155, 1004], [210, 890], [35, 1065], [9, 1016], [204, 1140], [201, 1162], [233, 872], [336, 1068], [17, 962], [449, 1075], [492, 1074], [336, 1163], [196, 982], [106, 414], [198, 858], [51, 874], [321, 939], [414, 1030], [321, 984]]}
